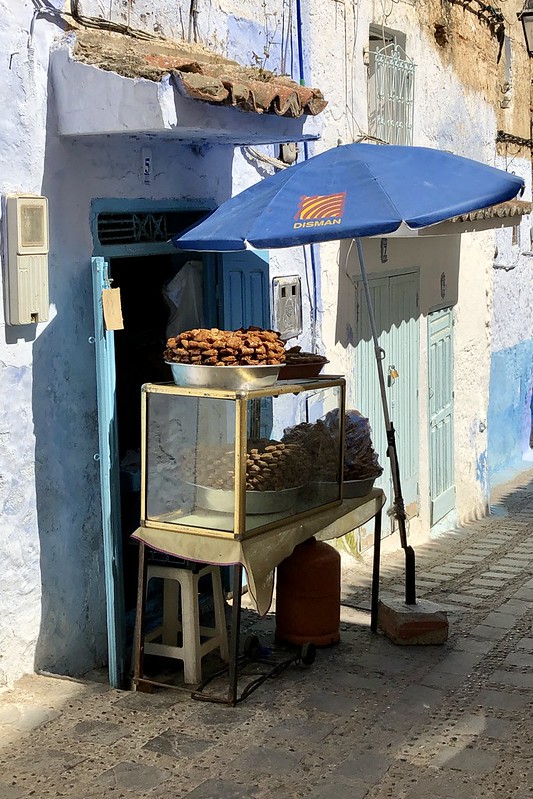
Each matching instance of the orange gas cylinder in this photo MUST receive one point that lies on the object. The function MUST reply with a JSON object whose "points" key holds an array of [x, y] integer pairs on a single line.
{"points": [[308, 595]]}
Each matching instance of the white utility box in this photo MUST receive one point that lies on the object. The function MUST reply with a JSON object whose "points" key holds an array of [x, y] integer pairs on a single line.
{"points": [[26, 252]]}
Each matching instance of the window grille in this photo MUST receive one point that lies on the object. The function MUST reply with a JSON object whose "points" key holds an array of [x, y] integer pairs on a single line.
{"points": [[144, 228], [390, 95]]}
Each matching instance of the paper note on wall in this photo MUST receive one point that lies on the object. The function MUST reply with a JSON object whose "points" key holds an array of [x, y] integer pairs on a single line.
{"points": [[112, 309]]}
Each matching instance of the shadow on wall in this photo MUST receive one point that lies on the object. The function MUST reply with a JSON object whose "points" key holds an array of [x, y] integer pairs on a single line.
{"points": [[510, 417], [435, 259], [72, 634], [350, 293], [72, 637], [531, 430]]}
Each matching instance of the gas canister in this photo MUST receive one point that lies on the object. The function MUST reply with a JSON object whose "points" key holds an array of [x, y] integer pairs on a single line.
{"points": [[308, 590]]}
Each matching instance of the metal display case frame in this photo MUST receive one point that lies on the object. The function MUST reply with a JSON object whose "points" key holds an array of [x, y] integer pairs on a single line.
{"points": [[241, 398]]}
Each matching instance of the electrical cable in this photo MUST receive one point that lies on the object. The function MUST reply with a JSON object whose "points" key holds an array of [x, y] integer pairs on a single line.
{"points": [[267, 159], [313, 299]]}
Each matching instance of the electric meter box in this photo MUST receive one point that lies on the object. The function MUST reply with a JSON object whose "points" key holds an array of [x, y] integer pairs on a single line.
{"points": [[26, 251]]}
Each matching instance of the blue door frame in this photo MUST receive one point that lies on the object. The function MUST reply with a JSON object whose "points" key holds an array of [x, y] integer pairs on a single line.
{"points": [[108, 457], [236, 293]]}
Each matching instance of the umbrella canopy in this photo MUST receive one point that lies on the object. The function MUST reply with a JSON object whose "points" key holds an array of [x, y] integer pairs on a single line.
{"points": [[350, 191]]}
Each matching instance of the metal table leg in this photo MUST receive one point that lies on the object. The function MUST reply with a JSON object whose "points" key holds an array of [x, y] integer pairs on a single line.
{"points": [[235, 634], [138, 636], [375, 573]]}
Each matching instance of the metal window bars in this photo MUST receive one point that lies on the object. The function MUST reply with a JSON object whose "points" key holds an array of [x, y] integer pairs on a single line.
{"points": [[391, 96]]}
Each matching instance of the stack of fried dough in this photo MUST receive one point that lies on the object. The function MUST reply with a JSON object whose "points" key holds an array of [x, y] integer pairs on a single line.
{"points": [[250, 346]]}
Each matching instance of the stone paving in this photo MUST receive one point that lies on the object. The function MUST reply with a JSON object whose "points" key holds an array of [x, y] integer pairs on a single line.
{"points": [[367, 719]]}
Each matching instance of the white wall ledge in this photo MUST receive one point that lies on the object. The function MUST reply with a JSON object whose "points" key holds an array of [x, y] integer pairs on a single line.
{"points": [[91, 102]]}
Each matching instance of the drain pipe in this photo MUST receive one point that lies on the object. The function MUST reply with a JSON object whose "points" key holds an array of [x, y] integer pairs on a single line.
{"points": [[314, 270]]}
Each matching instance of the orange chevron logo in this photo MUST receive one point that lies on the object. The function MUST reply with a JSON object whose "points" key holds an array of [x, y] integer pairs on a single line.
{"points": [[321, 206]]}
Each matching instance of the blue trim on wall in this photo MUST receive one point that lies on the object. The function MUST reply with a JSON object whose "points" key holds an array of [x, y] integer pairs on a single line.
{"points": [[510, 409], [117, 205]]}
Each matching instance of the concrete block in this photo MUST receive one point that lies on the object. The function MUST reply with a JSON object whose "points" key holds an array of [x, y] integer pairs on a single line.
{"points": [[423, 623]]}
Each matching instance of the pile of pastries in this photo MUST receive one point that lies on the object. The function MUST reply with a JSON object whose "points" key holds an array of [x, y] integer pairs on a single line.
{"points": [[251, 346], [270, 466]]}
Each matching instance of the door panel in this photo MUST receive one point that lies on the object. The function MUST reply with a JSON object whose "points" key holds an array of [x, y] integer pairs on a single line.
{"points": [[367, 393], [403, 391], [244, 282], [109, 476], [395, 303], [440, 372], [243, 290]]}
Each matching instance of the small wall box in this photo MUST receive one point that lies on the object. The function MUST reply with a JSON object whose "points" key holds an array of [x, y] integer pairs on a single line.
{"points": [[27, 259]]}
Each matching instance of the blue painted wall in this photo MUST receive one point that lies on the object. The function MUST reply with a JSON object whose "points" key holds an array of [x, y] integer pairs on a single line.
{"points": [[510, 409]]}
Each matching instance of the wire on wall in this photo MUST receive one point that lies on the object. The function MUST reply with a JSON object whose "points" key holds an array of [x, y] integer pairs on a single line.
{"points": [[313, 297], [510, 138], [491, 16], [193, 21]]}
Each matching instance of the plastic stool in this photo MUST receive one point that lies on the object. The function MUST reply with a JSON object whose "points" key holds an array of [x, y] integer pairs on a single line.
{"points": [[179, 582]]}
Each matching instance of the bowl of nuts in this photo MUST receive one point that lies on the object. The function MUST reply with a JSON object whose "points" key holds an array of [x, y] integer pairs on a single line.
{"points": [[275, 474], [301, 365], [245, 358]]}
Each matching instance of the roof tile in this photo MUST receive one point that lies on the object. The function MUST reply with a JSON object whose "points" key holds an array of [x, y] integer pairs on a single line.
{"points": [[199, 73], [499, 211]]}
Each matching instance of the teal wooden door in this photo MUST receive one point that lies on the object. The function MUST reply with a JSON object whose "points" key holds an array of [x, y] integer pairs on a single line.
{"points": [[244, 289], [109, 476], [440, 375], [395, 303]]}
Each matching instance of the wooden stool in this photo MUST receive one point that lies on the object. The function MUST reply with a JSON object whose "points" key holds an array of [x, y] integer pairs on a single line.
{"points": [[180, 593]]}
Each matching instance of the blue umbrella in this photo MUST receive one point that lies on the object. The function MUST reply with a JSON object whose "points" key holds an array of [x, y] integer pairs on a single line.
{"points": [[348, 192]]}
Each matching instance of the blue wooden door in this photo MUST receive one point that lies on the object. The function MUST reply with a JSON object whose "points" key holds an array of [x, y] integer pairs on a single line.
{"points": [[245, 289], [108, 456], [440, 375], [395, 302]]}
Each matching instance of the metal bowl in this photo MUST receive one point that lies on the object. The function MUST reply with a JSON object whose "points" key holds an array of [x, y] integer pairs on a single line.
{"points": [[358, 488], [257, 502], [224, 377]]}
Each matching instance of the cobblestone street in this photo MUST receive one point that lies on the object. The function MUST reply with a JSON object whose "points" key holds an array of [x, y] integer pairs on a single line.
{"points": [[367, 719]]}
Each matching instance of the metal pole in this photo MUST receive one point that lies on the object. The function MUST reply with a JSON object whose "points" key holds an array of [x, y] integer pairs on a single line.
{"points": [[233, 670], [375, 573], [399, 509]]}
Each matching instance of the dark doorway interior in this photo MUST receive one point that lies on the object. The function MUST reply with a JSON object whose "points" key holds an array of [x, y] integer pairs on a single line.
{"points": [[139, 359]]}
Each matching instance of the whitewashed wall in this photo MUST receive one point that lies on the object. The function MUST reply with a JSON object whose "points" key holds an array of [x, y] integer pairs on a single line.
{"points": [[52, 613]]}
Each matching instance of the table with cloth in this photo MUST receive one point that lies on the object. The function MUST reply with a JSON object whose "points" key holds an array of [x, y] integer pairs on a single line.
{"points": [[260, 554]]}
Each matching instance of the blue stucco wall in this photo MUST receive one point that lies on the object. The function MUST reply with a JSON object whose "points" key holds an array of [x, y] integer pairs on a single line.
{"points": [[510, 409]]}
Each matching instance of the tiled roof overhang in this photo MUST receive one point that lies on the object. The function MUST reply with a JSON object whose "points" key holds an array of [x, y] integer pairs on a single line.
{"points": [[228, 84], [500, 211], [506, 214], [108, 83]]}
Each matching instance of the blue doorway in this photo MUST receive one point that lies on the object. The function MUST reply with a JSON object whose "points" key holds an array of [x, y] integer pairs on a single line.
{"points": [[230, 291]]}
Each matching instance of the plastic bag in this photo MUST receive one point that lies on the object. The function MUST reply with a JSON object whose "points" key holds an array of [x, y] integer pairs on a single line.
{"points": [[184, 296], [360, 458]]}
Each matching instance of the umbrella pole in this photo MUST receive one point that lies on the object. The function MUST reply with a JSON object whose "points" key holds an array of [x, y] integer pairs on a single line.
{"points": [[398, 507]]}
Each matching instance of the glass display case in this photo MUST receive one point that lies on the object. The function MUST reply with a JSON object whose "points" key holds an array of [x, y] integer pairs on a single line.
{"points": [[232, 463]]}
